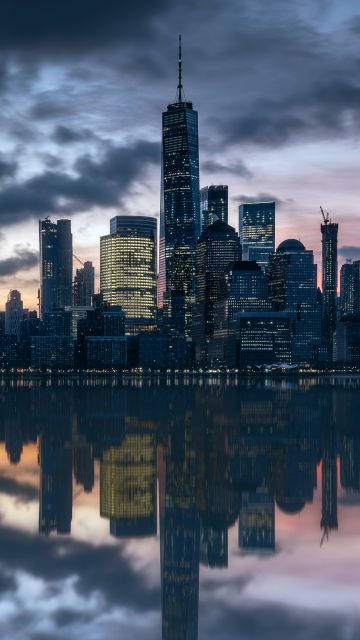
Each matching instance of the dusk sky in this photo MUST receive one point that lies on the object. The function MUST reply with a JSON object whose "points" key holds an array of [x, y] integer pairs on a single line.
{"points": [[83, 84]]}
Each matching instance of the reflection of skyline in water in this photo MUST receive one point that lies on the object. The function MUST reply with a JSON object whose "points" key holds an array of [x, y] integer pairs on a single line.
{"points": [[210, 458]]}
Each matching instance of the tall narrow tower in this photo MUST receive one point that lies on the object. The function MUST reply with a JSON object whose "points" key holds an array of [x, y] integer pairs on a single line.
{"points": [[180, 197], [329, 233]]}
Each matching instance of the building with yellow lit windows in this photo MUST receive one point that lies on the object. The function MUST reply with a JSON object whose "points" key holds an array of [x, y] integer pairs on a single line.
{"points": [[128, 270]]}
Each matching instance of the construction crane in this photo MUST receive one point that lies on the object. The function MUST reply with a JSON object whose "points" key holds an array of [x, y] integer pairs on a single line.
{"points": [[78, 259], [325, 215]]}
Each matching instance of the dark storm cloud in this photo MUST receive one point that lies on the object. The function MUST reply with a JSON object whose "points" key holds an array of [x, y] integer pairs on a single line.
{"points": [[98, 569], [271, 620], [72, 26], [65, 135], [8, 168], [260, 197], [349, 252], [7, 583], [49, 109], [239, 168], [104, 183], [23, 260], [23, 492]]}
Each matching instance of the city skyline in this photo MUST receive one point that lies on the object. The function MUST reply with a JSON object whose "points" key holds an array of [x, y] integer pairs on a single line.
{"points": [[63, 158]]}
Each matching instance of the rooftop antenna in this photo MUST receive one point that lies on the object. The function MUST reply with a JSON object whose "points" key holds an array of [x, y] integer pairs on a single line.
{"points": [[180, 87]]}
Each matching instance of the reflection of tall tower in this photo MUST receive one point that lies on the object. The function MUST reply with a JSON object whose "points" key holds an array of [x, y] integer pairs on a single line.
{"points": [[55, 508], [128, 485], [180, 198], [329, 520], [257, 521], [84, 466], [180, 545]]}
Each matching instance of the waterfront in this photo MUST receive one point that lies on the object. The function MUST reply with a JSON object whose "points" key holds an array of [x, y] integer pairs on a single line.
{"points": [[147, 506]]}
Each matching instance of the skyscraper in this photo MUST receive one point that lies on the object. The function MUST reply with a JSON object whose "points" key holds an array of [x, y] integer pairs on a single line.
{"points": [[180, 201], [14, 312], [128, 270], [217, 248], [55, 240], [292, 277], [329, 233], [350, 288], [213, 204], [83, 290], [257, 231]]}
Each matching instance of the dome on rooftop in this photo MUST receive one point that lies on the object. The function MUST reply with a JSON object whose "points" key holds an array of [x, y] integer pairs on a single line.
{"points": [[291, 245]]}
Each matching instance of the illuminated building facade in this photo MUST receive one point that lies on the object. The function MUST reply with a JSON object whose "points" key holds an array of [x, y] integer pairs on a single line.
{"points": [[128, 270], [55, 240], [128, 484], [257, 231], [213, 204], [180, 198]]}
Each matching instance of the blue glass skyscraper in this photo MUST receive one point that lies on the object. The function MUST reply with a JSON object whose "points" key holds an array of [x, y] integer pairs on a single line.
{"points": [[257, 231], [180, 198]]}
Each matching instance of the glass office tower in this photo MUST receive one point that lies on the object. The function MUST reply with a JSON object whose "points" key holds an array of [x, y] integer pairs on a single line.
{"points": [[180, 198], [350, 288], [257, 231], [213, 204], [292, 278], [56, 264], [128, 270]]}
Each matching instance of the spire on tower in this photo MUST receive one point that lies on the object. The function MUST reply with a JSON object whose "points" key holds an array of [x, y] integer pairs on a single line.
{"points": [[180, 87]]}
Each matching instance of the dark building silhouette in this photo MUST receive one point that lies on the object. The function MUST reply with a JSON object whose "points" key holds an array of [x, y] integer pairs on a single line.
{"points": [[180, 200], [55, 264], [257, 522], [84, 285], [55, 508], [217, 248], [329, 236], [292, 278], [350, 288], [213, 204]]}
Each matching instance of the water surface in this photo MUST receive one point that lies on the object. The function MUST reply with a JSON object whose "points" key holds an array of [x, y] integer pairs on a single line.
{"points": [[148, 509]]}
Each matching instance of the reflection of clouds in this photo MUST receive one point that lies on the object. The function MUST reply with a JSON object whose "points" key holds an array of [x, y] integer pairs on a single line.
{"points": [[256, 622], [59, 583]]}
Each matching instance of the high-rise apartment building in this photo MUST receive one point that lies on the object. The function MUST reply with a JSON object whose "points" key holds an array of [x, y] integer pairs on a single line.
{"points": [[128, 270], [213, 204], [180, 200], [257, 231], [329, 234], [55, 240]]}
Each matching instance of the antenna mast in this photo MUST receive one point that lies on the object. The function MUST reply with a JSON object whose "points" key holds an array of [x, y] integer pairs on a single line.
{"points": [[180, 87]]}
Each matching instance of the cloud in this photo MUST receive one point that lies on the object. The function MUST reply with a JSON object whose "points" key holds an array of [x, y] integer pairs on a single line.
{"points": [[238, 168], [349, 252], [100, 182], [65, 135], [260, 197], [263, 620], [8, 168], [23, 260], [100, 570], [67, 26], [21, 491]]}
